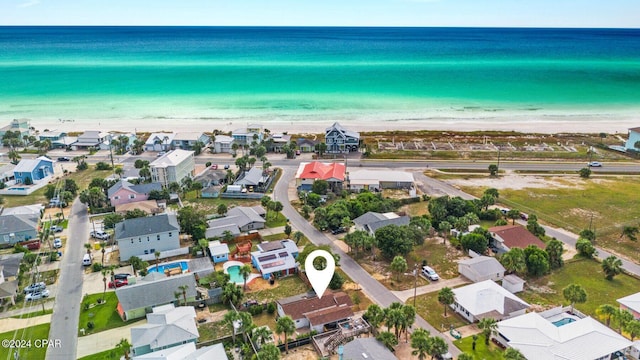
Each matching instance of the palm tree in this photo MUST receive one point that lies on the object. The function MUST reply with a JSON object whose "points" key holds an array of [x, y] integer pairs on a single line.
{"points": [[297, 236], [446, 298], [119, 171], [611, 266], [286, 326], [622, 318], [488, 326], [157, 255], [606, 311], [232, 318], [374, 316], [177, 295], [398, 265], [387, 339], [231, 293], [184, 288], [408, 320], [125, 346], [204, 244], [245, 271], [437, 346], [222, 209], [88, 247], [574, 293], [261, 335], [465, 356], [104, 280], [633, 329], [514, 261], [420, 343], [513, 354], [268, 352], [394, 318], [103, 250]]}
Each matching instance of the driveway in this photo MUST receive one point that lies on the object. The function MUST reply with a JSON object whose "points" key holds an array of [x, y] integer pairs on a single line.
{"points": [[104, 340], [432, 287]]}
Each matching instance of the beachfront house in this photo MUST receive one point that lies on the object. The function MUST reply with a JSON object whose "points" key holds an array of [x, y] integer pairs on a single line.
{"points": [[244, 136], [173, 167], [487, 299], [155, 289], [223, 144], [372, 221], [276, 258], [555, 334], [167, 327], [634, 137], [631, 303], [31, 171], [341, 140], [509, 236], [306, 145], [159, 142], [308, 173], [146, 235], [124, 192], [18, 127], [481, 268], [90, 139], [309, 311], [186, 140], [219, 251], [277, 141], [125, 139], [51, 135]]}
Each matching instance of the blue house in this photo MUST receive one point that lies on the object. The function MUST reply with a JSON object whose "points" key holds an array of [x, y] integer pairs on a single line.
{"points": [[33, 169], [276, 258], [634, 136], [219, 252]]}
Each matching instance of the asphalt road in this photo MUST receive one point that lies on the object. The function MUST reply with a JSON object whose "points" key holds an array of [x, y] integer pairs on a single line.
{"points": [[373, 289], [66, 311]]}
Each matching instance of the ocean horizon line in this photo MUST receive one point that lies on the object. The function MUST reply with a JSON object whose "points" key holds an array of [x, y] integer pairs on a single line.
{"points": [[315, 27]]}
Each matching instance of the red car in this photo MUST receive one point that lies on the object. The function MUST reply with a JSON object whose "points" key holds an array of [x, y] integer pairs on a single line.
{"points": [[118, 283], [214, 166]]}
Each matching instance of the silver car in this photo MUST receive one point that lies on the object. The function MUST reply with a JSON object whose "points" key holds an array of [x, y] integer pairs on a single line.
{"points": [[37, 295]]}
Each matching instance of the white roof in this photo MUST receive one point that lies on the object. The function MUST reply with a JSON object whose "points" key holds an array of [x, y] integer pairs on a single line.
{"points": [[216, 248], [224, 139], [632, 302], [368, 176], [166, 325], [159, 136], [27, 165], [487, 296], [483, 265], [34, 209], [539, 339], [172, 158], [193, 135]]}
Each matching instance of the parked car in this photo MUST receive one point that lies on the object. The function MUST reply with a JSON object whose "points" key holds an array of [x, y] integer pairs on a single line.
{"points": [[339, 230], [37, 295], [161, 153], [56, 228], [117, 283], [64, 158], [57, 243], [594, 164], [35, 287], [226, 167], [121, 276], [430, 273], [214, 166], [99, 235], [524, 216]]}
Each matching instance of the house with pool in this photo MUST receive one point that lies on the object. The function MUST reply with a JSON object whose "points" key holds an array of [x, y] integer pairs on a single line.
{"points": [[142, 237], [276, 258], [557, 334]]}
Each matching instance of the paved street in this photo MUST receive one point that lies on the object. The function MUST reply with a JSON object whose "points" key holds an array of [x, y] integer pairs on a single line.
{"points": [[432, 287], [66, 311]]}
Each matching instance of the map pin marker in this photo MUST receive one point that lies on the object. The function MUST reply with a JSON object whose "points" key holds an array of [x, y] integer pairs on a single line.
{"points": [[320, 279]]}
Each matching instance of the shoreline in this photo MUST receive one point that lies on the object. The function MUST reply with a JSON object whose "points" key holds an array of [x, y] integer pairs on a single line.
{"points": [[549, 125]]}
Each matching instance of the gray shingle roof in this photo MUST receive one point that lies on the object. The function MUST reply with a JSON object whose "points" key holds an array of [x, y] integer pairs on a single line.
{"points": [[367, 218], [252, 177], [239, 215], [146, 225], [402, 220], [140, 189], [11, 264], [373, 349], [17, 223], [483, 265], [153, 293]]}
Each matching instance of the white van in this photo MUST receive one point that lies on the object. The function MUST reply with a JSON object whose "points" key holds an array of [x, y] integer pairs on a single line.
{"points": [[86, 260]]}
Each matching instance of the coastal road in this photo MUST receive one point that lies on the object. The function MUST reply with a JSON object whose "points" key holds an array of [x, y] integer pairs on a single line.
{"points": [[373, 289], [66, 311]]}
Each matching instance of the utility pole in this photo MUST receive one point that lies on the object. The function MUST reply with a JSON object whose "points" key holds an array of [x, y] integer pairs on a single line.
{"points": [[498, 166], [415, 283]]}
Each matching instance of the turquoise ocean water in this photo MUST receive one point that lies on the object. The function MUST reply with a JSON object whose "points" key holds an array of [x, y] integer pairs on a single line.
{"points": [[217, 75]]}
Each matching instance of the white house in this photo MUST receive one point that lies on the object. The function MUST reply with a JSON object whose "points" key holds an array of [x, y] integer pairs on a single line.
{"points": [[173, 167], [186, 140], [167, 326], [634, 137], [223, 144], [376, 180], [481, 268], [146, 235], [487, 299], [91, 139], [247, 135], [553, 335], [159, 142]]}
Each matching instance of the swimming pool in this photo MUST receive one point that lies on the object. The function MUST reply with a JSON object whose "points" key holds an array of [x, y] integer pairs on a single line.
{"points": [[170, 267], [234, 274], [563, 321]]}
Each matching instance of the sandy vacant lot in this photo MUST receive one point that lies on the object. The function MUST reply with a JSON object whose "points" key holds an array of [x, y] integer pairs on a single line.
{"points": [[519, 182]]}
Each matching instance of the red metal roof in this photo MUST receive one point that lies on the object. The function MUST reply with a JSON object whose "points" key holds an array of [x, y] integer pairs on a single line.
{"points": [[323, 171]]}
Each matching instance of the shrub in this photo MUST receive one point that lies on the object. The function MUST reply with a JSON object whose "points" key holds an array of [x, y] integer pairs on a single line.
{"points": [[28, 181], [271, 308], [82, 166], [103, 166], [255, 310], [86, 306], [336, 282], [90, 325], [96, 267]]}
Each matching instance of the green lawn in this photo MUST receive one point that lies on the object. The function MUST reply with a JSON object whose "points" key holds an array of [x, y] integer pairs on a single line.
{"points": [[275, 221], [587, 273], [288, 286], [432, 311], [105, 355], [104, 316], [32, 314], [213, 331], [304, 241], [482, 352], [34, 334]]}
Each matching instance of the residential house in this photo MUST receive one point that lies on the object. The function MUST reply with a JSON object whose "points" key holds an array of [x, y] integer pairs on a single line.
{"points": [[124, 192], [127, 139], [219, 251], [631, 303], [366, 348], [155, 289], [246, 135], [186, 140], [64, 143], [8, 289], [223, 144], [376, 180], [237, 220], [306, 145], [11, 265], [212, 182], [553, 335], [173, 167], [15, 228], [509, 236], [341, 140], [372, 221], [167, 326], [276, 258], [309, 311], [634, 137], [481, 268], [308, 173], [159, 142], [6, 172], [187, 351], [253, 178], [51, 135], [486, 299], [23, 126], [146, 235], [33, 170], [90, 139], [278, 141]]}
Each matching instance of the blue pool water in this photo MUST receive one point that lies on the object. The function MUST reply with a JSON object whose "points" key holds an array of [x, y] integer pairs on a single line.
{"points": [[234, 274], [162, 267], [564, 321]]}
